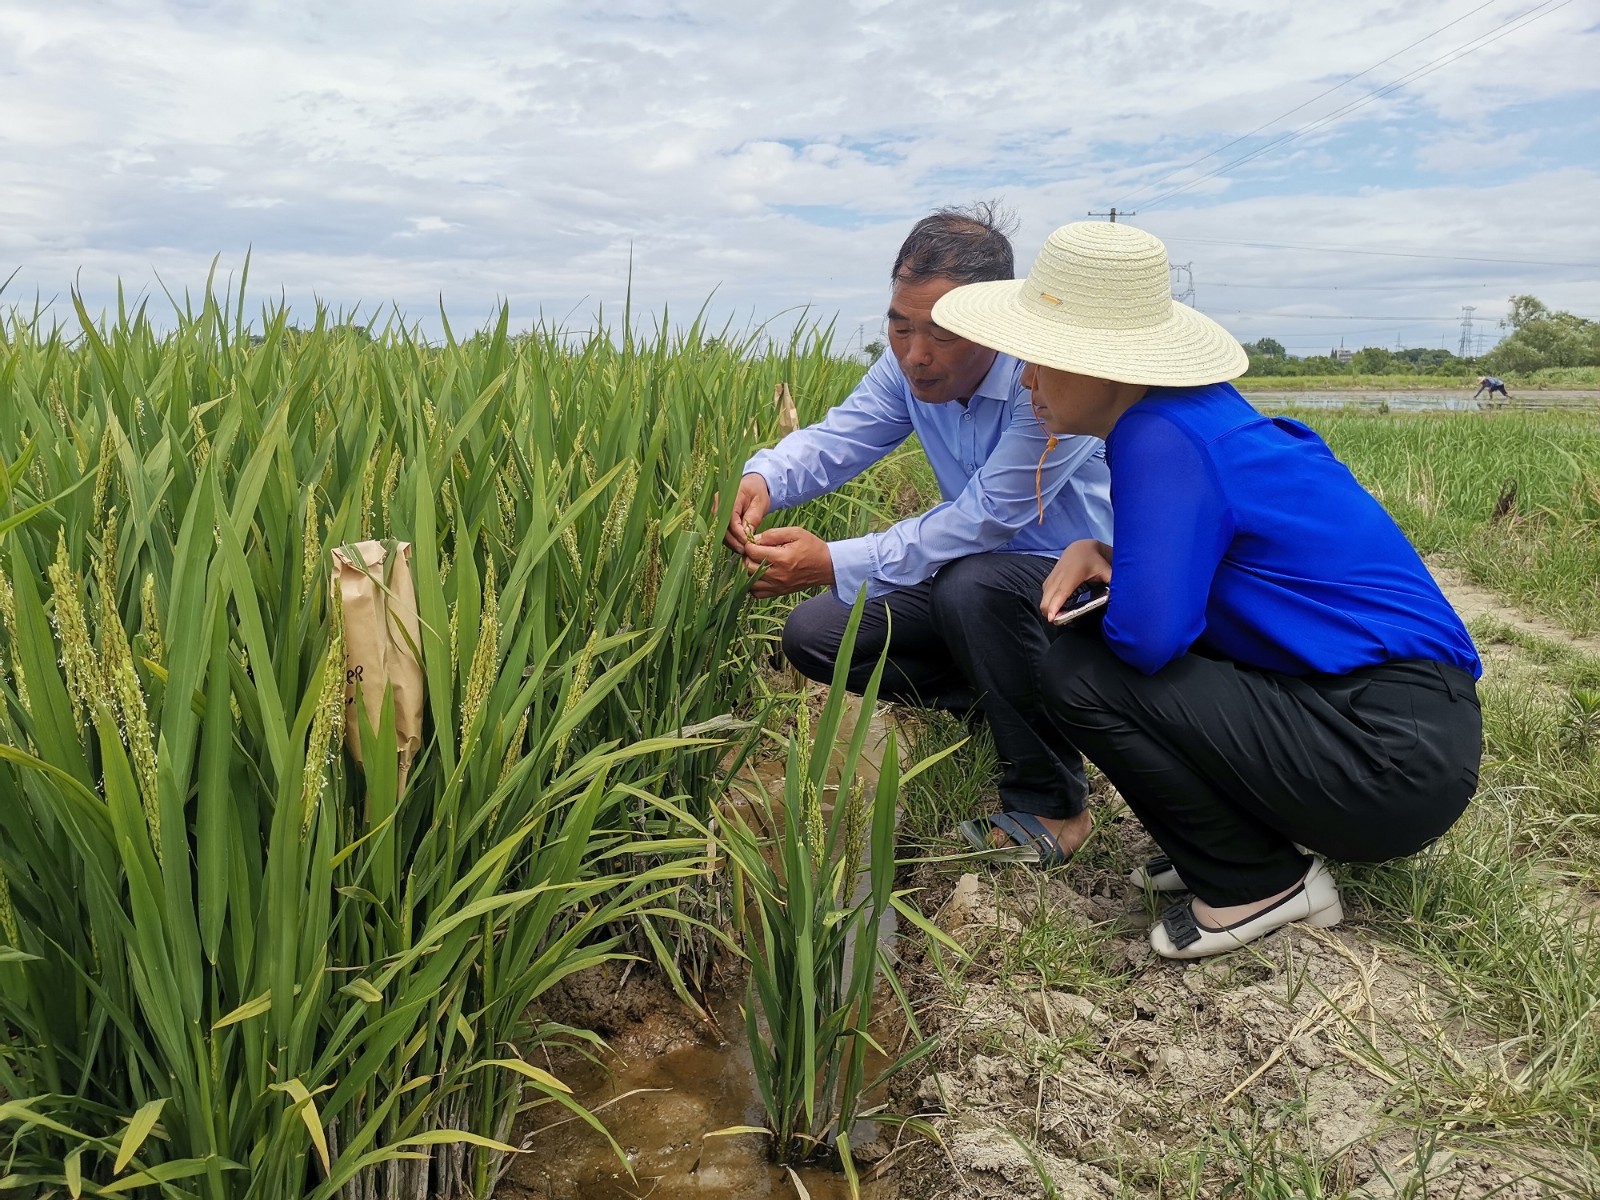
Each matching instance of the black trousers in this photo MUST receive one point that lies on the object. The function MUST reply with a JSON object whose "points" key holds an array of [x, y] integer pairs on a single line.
{"points": [[971, 637], [1228, 767]]}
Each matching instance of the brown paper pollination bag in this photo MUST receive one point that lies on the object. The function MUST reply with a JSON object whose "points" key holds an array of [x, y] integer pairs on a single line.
{"points": [[788, 415], [382, 643]]}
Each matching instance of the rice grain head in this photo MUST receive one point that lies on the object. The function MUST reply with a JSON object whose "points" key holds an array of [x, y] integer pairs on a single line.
{"points": [[858, 824], [80, 665], [310, 547], [391, 479], [369, 475], [486, 658], [202, 440], [102, 475], [327, 724], [8, 614], [8, 915], [580, 685], [617, 515], [514, 751], [152, 621], [122, 686], [569, 543], [507, 505], [650, 585], [514, 755]]}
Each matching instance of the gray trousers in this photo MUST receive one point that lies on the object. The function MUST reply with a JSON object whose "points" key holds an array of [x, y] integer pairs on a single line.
{"points": [[971, 638]]}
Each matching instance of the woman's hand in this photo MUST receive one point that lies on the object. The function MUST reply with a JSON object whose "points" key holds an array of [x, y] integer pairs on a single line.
{"points": [[1079, 562]]}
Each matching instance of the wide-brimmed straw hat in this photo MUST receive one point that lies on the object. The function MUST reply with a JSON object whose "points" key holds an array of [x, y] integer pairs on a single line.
{"points": [[1097, 302]]}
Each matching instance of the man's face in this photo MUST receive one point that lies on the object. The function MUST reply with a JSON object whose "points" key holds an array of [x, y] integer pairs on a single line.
{"points": [[940, 366]]}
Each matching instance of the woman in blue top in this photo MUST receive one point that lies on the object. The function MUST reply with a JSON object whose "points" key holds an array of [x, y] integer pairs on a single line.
{"points": [[1276, 676]]}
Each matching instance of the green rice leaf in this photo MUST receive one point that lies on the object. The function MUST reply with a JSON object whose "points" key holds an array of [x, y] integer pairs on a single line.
{"points": [[138, 1129]]}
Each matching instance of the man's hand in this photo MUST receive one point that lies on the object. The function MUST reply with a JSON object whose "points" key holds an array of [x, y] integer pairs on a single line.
{"points": [[749, 510], [1079, 562], [794, 559]]}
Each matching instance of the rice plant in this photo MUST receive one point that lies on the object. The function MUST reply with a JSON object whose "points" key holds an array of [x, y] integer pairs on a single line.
{"points": [[821, 888], [233, 963]]}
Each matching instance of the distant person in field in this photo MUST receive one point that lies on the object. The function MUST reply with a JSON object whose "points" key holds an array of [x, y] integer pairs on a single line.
{"points": [[1277, 677], [1488, 383], [962, 581]]}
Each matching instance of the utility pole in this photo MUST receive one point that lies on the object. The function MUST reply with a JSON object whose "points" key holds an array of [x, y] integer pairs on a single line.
{"points": [[1180, 272], [1466, 329], [1113, 215]]}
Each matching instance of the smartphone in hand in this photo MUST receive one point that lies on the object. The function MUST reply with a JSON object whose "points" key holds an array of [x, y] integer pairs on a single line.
{"points": [[1091, 596]]}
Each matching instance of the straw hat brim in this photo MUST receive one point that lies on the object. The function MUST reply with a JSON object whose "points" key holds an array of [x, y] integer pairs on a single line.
{"points": [[1186, 350]]}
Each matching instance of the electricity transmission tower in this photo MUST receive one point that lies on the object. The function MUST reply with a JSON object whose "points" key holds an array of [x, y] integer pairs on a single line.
{"points": [[1466, 329], [1180, 273]]}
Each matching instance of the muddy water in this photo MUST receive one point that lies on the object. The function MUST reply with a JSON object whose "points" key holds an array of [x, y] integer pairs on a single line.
{"points": [[1422, 399], [661, 1106]]}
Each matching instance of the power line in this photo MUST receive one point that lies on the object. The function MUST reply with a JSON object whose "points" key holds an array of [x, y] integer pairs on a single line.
{"points": [[1321, 339], [1282, 316], [1515, 262], [1363, 287], [1460, 52], [1344, 83]]}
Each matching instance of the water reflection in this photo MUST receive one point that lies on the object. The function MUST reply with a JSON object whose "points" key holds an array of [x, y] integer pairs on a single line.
{"points": [[1421, 401]]}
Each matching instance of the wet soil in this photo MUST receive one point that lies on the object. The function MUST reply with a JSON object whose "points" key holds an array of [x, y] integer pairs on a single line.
{"points": [[666, 1083]]}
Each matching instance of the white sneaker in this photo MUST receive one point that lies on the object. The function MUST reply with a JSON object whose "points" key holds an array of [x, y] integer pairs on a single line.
{"points": [[1159, 875], [1315, 901]]}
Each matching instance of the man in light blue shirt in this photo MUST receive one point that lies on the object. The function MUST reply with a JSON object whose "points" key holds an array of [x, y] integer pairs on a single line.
{"points": [[962, 582]]}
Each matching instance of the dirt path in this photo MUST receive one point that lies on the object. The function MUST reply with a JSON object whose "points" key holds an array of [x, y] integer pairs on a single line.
{"points": [[1472, 601]]}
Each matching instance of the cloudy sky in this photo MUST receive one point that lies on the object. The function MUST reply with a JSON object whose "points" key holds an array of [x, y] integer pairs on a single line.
{"points": [[1421, 155]]}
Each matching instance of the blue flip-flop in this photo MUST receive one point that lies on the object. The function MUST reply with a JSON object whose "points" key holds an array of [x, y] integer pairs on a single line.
{"points": [[1031, 842]]}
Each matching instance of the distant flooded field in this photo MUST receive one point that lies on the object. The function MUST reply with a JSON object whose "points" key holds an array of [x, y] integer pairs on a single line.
{"points": [[1419, 399]]}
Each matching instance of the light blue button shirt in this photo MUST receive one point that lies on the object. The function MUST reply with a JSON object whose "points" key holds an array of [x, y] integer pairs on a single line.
{"points": [[984, 455]]}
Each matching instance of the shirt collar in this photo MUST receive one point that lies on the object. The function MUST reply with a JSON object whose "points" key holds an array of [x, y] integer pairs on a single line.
{"points": [[1001, 380]]}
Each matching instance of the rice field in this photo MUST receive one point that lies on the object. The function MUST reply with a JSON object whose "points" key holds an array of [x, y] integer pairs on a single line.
{"points": [[238, 964], [262, 936]]}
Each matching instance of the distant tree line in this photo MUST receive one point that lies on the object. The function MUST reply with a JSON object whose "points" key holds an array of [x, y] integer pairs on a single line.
{"points": [[1539, 338]]}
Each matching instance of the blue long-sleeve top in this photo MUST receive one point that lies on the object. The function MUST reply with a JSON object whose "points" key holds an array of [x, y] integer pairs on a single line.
{"points": [[984, 456], [1245, 536]]}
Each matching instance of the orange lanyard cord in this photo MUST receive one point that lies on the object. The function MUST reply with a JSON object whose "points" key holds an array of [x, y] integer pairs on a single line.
{"points": [[1038, 475]]}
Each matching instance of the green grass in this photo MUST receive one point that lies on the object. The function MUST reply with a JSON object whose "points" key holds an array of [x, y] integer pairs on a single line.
{"points": [[953, 789], [1441, 476]]}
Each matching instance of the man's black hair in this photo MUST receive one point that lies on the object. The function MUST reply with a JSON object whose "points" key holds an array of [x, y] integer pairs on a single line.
{"points": [[965, 245]]}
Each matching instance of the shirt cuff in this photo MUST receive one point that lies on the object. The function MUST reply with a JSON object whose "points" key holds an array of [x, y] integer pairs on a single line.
{"points": [[761, 465], [855, 562]]}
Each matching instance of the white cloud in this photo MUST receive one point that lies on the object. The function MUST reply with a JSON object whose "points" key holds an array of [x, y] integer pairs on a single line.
{"points": [[396, 152]]}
